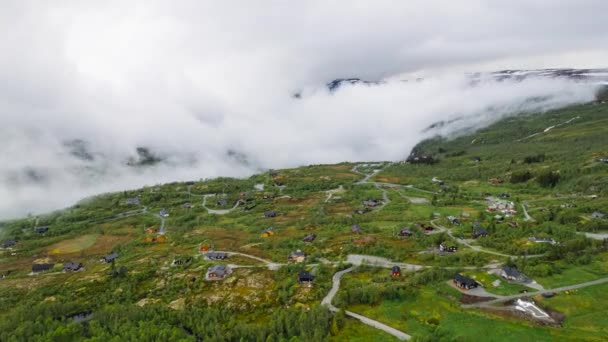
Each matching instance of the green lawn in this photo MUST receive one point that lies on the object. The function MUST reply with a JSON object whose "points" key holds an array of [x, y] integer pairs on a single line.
{"points": [[355, 331], [431, 306], [577, 274]]}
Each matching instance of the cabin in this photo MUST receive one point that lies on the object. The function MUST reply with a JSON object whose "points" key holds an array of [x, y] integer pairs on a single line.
{"points": [[270, 214], [8, 243], [82, 316], [297, 256], [480, 232], [453, 220], [465, 283], [36, 268], [305, 278], [268, 232], [216, 256], [163, 213], [428, 229], [396, 271], [109, 258], [405, 232], [218, 272], [543, 240], [133, 201], [222, 202], [187, 205], [598, 215], [511, 273], [420, 159], [465, 215], [41, 229], [309, 238], [370, 203], [181, 261], [356, 229], [445, 248], [72, 266]]}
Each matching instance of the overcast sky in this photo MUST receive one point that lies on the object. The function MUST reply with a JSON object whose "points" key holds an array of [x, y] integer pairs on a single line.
{"points": [[194, 79]]}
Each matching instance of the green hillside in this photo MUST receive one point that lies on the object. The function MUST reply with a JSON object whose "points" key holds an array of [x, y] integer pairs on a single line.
{"points": [[547, 165]]}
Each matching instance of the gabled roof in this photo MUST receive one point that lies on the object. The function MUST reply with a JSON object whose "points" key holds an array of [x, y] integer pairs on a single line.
{"points": [[133, 200], [110, 257], [370, 203], [405, 231], [218, 269], [304, 276], [216, 255], [511, 272], [356, 228], [72, 266], [8, 243], [309, 237], [41, 267], [41, 229], [480, 232], [464, 280]]}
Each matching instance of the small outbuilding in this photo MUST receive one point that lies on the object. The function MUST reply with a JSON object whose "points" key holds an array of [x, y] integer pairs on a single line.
{"points": [[270, 214], [41, 229], [309, 238]]}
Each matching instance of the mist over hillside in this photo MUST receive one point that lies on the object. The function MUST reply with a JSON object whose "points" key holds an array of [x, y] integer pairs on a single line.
{"points": [[52, 163], [119, 95]]}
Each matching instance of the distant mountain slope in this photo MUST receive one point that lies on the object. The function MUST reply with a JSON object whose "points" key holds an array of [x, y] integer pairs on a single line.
{"points": [[570, 141]]}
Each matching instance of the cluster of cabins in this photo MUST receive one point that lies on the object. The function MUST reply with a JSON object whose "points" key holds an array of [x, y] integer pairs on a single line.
{"points": [[507, 272], [67, 267], [505, 207]]}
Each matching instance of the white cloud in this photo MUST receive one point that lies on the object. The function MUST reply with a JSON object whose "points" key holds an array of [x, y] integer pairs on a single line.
{"points": [[192, 80]]}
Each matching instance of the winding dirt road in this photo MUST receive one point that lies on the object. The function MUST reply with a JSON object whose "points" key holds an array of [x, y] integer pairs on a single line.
{"points": [[327, 301]]}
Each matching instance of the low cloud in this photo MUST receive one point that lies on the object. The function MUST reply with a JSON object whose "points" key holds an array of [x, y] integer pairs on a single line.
{"points": [[208, 89]]}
